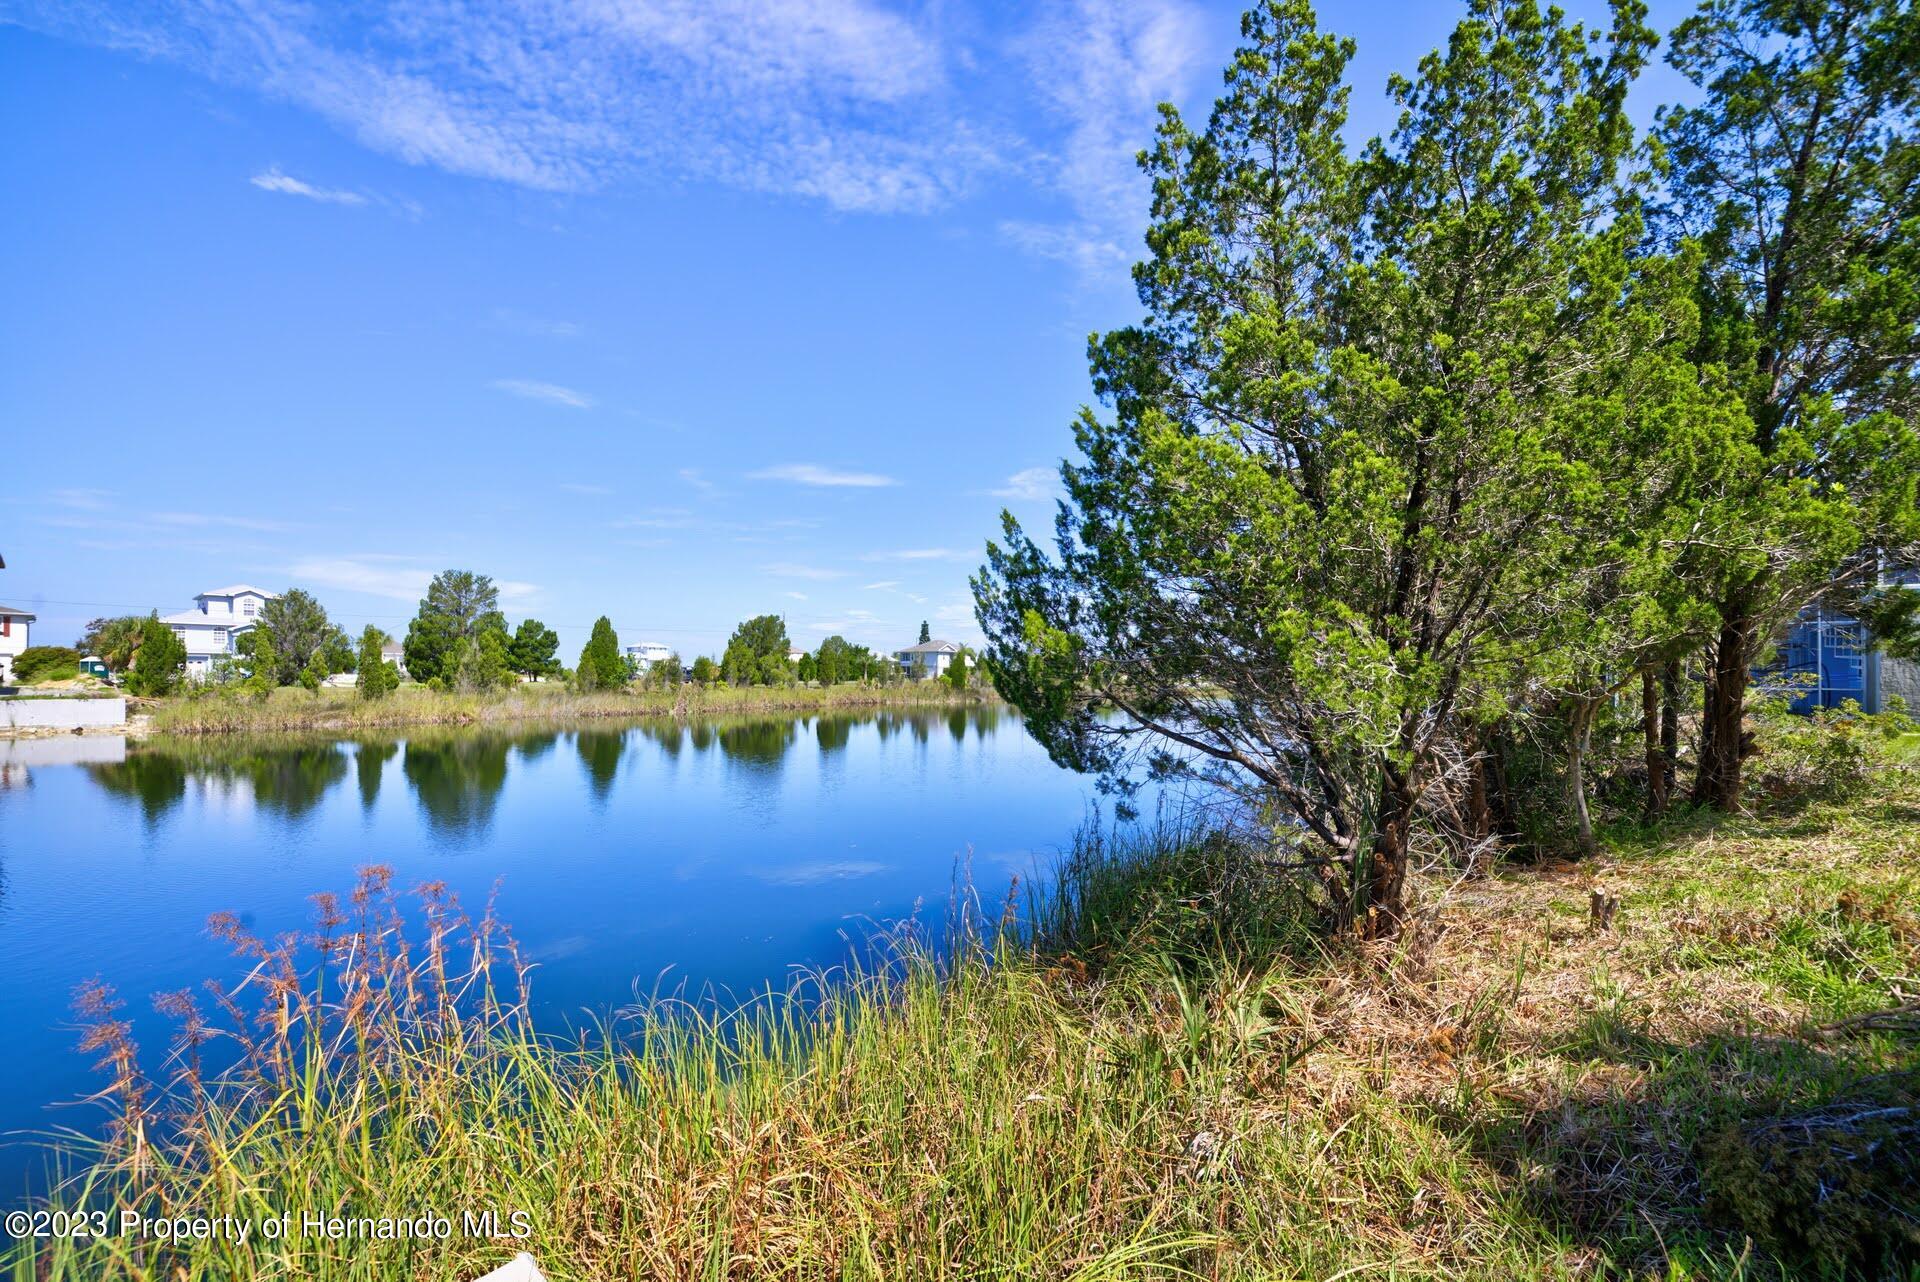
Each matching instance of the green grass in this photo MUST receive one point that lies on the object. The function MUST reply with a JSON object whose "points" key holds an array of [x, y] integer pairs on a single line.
{"points": [[65, 672], [1167, 1074], [221, 711]]}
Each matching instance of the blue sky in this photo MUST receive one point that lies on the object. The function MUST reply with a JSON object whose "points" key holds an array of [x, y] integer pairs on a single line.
{"points": [[676, 312]]}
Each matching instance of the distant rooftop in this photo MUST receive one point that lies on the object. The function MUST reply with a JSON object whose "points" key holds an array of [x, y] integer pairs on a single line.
{"points": [[931, 647], [237, 589], [16, 612]]}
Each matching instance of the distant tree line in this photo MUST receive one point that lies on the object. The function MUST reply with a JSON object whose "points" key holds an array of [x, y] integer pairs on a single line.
{"points": [[458, 640]]}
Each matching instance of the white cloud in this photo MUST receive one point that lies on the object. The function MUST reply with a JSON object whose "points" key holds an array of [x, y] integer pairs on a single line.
{"points": [[846, 101], [220, 519], [385, 576], [579, 487], [1084, 246], [659, 518], [863, 627], [917, 554], [552, 393], [397, 582], [84, 500], [882, 586], [813, 474], [789, 570], [957, 619], [288, 185], [538, 326], [1104, 68], [1031, 484], [797, 596]]}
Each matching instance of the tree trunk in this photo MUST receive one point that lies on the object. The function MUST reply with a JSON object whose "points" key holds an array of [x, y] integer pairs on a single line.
{"points": [[1670, 723], [1580, 729], [1505, 820], [1650, 731], [1479, 816], [1723, 742], [1382, 898]]}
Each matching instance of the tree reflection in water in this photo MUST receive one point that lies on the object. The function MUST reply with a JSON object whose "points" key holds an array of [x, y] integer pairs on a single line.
{"points": [[457, 773], [288, 778], [457, 778], [600, 751]]}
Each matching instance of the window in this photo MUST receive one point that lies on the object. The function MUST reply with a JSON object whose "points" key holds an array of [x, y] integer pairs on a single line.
{"points": [[219, 636], [247, 607]]}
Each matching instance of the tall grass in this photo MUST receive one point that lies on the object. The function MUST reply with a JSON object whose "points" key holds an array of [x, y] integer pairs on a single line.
{"points": [[1164, 1071], [216, 711]]}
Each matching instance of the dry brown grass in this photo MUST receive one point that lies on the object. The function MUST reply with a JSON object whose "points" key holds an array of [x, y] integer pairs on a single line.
{"points": [[1503, 1093]]}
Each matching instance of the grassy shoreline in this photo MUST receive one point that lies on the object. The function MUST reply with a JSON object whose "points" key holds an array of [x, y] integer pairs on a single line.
{"points": [[343, 710], [1168, 1074]]}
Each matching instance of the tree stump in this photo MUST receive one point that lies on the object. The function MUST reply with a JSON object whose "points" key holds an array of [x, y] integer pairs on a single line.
{"points": [[1601, 907]]}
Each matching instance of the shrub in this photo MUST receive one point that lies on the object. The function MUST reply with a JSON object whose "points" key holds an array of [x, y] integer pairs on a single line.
{"points": [[1837, 1185], [46, 663], [1830, 753], [158, 663]]}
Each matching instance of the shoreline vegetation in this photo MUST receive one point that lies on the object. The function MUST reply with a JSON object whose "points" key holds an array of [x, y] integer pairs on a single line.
{"points": [[1694, 1055], [222, 711]]}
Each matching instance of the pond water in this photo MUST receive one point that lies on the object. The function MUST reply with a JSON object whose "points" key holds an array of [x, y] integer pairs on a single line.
{"points": [[718, 855]]}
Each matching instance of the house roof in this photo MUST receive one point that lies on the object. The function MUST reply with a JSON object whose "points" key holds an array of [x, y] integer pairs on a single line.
{"points": [[931, 647], [236, 590], [16, 612]]}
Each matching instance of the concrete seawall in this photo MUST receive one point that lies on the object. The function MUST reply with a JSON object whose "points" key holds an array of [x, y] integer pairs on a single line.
{"points": [[62, 714]]}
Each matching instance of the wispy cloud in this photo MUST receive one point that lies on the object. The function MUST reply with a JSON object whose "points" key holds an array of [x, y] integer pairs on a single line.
{"points": [[790, 570], [957, 618], [551, 393], [369, 575], [659, 518], [580, 487], [82, 500], [797, 596], [1083, 246], [813, 474], [384, 575], [1104, 68], [882, 586], [1030, 485], [288, 185], [917, 554], [537, 326], [221, 520], [845, 101]]}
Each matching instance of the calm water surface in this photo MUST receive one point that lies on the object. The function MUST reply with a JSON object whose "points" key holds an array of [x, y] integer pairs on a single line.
{"points": [[721, 854]]}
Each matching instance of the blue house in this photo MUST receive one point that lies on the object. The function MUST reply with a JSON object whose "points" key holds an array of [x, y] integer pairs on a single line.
{"points": [[1826, 658]]}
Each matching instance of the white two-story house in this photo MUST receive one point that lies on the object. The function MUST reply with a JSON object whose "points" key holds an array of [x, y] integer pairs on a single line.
{"points": [[13, 638], [217, 621], [927, 660], [648, 653]]}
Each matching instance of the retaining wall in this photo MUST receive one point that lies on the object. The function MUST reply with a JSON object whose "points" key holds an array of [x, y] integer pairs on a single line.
{"points": [[62, 714]]}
